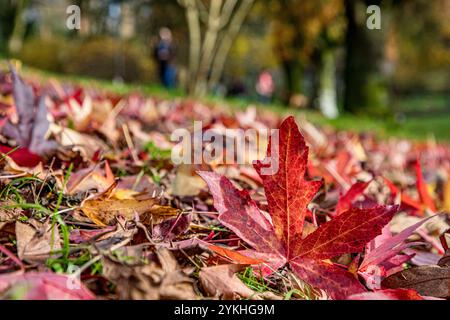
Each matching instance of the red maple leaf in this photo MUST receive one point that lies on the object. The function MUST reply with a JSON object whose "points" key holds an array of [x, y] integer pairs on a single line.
{"points": [[425, 200], [22, 156], [424, 196], [32, 126], [278, 239], [345, 202]]}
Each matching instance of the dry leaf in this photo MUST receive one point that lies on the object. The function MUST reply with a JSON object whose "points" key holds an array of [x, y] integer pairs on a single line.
{"points": [[158, 214], [152, 281], [432, 281], [221, 282], [8, 215], [86, 144], [446, 204], [37, 244], [187, 183], [104, 211]]}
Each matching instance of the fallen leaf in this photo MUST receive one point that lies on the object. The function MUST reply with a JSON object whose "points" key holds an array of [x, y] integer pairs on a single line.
{"points": [[42, 286], [346, 200], [187, 183], [32, 126], [389, 246], [221, 282], [288, 194], [85, 144], [80, 235], [21, 156], [446, 204], [8, 215], [91, 178], [152, 281], [171, 228], [433, 281], [422, 258], [234, 255], [37, 243], [104, 211], [425, 197]]}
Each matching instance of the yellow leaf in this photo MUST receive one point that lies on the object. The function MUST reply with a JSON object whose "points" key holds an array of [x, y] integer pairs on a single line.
{"points": [[104, 211], [446, 206], [124, 194], [158, 214]]}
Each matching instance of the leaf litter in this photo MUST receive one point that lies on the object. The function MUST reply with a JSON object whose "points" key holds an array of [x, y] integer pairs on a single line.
{"points": [[92, 207]]}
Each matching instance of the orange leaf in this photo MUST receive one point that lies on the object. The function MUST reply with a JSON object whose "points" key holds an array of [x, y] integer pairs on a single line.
{"points": [[233, 255], [425, 197]]}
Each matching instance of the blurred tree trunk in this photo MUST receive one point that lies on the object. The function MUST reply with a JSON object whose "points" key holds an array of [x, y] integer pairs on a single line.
{"points": [[195, 38], [366, 87], [293, 71], [209, 49], [209, 44], [227, 42], [299, 30], [327, 85], [18, 33]]}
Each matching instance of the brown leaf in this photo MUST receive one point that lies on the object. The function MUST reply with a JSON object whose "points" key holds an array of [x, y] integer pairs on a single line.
{"points": [[85, 144], [221, 282], [433, 281], [36, 243], [104, 208], [187, 182], [8, 215], [152, 281], [104, 211], [158, 214], [445, 260]]}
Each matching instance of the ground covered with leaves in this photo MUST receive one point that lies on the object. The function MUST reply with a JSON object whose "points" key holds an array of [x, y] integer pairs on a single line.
{"points": [[93, 207]]}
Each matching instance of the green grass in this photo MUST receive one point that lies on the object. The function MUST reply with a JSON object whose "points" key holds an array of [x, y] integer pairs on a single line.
{"points": [[422, 103], [423, 116], [255, 283], [105, 85], [413, 127], [15, 193]]}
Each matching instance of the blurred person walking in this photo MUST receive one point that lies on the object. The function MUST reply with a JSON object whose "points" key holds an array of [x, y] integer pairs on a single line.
{"points": [[265, 86], [164, 55]]}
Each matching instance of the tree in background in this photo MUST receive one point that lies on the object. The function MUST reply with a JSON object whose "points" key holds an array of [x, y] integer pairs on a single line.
{"points": [[366, 78], [16, 41], [7, 17], [213, 26], [297, 27], [419, 46], [330, 39], [12, 25]]}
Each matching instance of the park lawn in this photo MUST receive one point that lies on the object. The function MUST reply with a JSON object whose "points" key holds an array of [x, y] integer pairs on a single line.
{"points": [[418, 120]]}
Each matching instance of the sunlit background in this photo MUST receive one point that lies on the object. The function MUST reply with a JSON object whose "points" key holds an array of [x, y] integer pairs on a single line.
{"points": [[321, 55]]}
